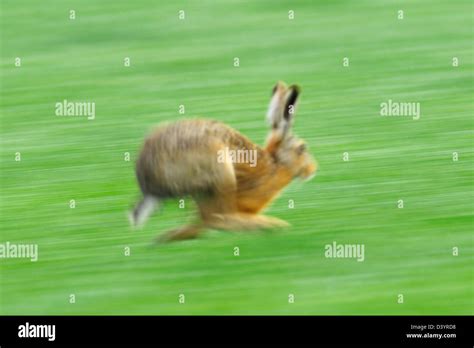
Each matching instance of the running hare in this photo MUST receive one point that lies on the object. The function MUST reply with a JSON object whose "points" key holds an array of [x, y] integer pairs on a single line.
{"points": [[212, 163]]}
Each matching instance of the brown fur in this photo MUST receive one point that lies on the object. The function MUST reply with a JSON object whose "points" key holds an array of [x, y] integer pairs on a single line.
{"points": [[180, 159]]}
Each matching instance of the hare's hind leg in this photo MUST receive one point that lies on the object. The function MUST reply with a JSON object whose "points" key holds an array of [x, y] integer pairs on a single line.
{"points": [[221, 200]]}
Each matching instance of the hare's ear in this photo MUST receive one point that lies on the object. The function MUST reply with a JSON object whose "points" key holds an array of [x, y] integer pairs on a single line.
{"points": [[277, 104], [290, 104], [282, 107]]}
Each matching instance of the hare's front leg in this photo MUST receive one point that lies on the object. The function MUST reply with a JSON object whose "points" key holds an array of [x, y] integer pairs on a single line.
{"points": [[220, 212], [265, 221], [244, 221], [180, 233]]}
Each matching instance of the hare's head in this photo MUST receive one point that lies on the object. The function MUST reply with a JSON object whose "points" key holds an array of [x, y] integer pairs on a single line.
{"points": [[286, 148]]}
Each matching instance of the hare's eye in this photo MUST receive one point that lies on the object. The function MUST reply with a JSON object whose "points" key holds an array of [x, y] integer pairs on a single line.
{"points": [[300, 149]]}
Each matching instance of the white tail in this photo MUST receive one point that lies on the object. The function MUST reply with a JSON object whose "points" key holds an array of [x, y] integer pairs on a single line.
{"points": [[143, 210]]}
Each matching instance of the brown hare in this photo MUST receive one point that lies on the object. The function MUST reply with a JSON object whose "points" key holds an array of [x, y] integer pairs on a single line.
{"points": [[197, 158]]}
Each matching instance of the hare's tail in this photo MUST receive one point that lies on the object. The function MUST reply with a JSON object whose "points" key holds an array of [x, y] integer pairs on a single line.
{"points": [[143, 210]]}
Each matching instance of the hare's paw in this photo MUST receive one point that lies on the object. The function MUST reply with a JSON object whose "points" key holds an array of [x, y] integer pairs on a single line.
{"points": [[273, 222]]}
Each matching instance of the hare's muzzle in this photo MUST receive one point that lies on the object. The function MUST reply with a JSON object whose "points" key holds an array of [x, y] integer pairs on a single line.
{"points": [[309, 171]]}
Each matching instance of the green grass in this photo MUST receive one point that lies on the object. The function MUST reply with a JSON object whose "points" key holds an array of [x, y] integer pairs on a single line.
{"points": [[81, 251]]}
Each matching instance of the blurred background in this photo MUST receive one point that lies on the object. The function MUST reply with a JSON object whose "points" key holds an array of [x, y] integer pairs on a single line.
{"points": [[190, 62]]}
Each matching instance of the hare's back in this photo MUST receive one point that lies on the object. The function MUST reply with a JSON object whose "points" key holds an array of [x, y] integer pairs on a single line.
{"points": [[191, 134], [182, 157]]}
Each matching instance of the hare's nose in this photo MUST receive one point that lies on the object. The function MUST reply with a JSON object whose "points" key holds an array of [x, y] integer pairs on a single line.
{"points": [[314, 167], [310, 171]]}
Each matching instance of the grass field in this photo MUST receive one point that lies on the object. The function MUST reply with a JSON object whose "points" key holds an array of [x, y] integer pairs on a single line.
{"points": [[190, 62]]}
